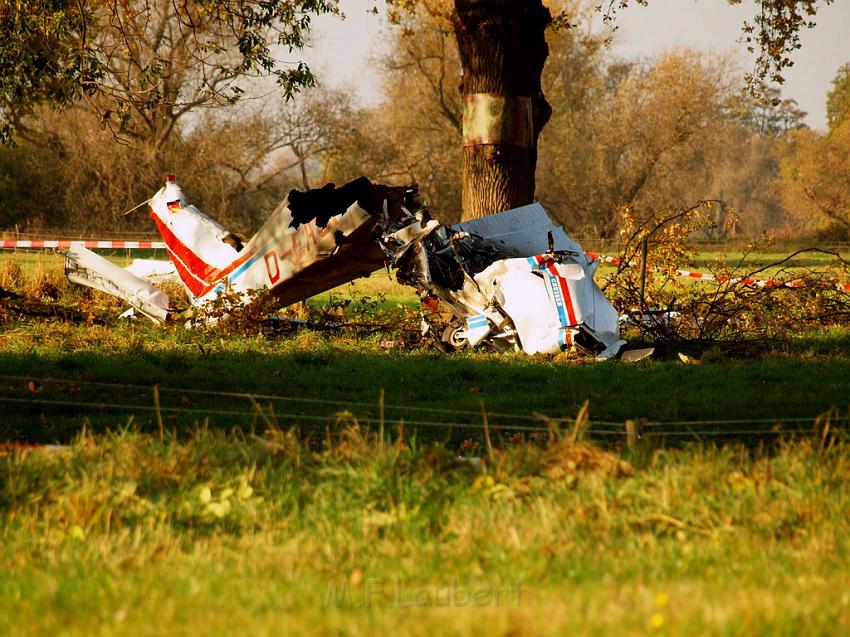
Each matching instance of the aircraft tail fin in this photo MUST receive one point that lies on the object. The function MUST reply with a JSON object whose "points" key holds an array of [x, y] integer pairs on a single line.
{"points": [[197, 245]]}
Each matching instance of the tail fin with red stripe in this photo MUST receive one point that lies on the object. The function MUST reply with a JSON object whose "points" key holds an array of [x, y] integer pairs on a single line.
{"points": [[196, 243]]}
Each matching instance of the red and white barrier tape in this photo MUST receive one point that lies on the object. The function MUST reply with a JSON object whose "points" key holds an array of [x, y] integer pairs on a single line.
{"points": [[93, 243], [152, 245], [704, 276], [601, 257]]}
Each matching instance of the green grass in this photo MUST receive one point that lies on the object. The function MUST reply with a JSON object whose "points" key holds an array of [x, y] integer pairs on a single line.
{"points": [[352, 369], [47, 259], [748, 262], [31, 261], [262, 536], [102, 376], [215, 514]]}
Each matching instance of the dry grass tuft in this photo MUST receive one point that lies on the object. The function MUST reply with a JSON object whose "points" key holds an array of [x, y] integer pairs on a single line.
{"points": [[11, 275]]}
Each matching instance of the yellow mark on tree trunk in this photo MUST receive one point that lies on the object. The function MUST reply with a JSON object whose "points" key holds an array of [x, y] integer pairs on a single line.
{"points": [[492, 118]]}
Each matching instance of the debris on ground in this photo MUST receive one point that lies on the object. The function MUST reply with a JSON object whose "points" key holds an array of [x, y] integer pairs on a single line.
{"points": [[510, 281], [513, 280]]}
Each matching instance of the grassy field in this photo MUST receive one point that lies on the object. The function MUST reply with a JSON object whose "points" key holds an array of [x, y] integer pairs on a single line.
{"points": [[237, 482], [48, 363], [265, 536], [57, 376]]}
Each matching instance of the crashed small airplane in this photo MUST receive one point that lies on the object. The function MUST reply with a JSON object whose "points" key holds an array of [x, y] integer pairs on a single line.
{"points": [[513, 280]]}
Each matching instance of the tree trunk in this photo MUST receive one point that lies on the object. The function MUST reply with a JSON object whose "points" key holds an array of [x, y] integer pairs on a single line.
{"points": [[502, 48]]}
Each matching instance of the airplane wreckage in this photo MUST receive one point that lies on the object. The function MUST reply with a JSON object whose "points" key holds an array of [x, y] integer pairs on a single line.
{"points": [[512, 280]]}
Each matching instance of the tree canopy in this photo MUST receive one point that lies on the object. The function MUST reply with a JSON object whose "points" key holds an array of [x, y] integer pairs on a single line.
{"points": [[816, 178], [838, 98], [121, 55], [59, 51], [774, 34], [139, 67], [625, 134]]}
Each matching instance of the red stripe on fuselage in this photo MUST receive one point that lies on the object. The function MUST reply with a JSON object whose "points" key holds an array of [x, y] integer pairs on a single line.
{"points": [[565, 290], [195, 286], [193, 267], [223, 273], [568, 299]]}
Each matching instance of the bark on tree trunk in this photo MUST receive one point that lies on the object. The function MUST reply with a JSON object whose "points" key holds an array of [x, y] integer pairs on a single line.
{"points": [[502, 48]]}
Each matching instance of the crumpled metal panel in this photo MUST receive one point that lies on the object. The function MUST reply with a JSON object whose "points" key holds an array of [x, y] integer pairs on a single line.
{"points": [[84, 267], [311, 243], [514, 279]]}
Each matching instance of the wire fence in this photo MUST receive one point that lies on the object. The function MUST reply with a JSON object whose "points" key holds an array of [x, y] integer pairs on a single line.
{"points": [[71, 234], [32, 397]]}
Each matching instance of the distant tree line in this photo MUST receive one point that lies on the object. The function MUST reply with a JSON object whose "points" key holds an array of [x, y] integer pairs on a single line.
{"points": [[633, 135]]}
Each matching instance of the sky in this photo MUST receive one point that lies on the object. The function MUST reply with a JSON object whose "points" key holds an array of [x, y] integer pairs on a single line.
{"points": [[342, 48], [713, 25]]}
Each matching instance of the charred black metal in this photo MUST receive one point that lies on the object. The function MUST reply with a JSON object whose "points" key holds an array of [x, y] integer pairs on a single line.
{"points": [[474, 272], [328, 201]]}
